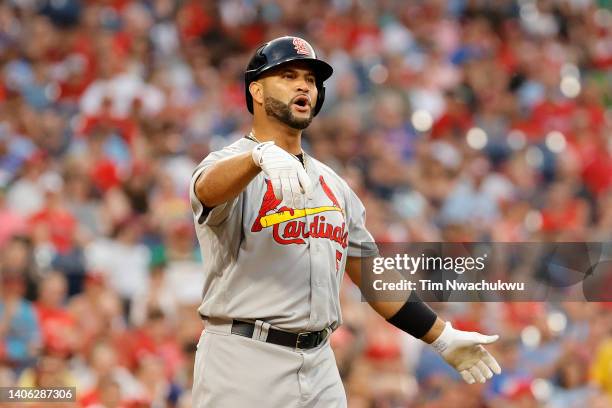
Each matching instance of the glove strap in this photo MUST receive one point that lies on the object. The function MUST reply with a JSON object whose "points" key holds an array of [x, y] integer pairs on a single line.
{"points": [[258, 151]]}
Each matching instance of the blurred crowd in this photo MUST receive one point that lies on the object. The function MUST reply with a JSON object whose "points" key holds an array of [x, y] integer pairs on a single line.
{"points": [[459, 120]]}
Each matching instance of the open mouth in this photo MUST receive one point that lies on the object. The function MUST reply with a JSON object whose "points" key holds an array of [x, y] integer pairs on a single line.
{"points": [[302, 103]]}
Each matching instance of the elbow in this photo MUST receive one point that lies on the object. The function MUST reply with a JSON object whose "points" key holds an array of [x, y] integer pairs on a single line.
{"points": [[203, 191]]}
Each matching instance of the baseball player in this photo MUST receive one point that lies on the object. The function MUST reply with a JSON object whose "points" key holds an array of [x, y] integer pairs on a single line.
{"points": [[277, 230]]}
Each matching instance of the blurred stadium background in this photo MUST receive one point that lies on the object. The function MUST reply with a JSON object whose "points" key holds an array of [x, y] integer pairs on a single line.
{"points": [[458, 120]]}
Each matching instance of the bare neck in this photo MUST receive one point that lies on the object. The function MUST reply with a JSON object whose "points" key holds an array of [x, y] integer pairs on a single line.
{"points": [[285, 137]]}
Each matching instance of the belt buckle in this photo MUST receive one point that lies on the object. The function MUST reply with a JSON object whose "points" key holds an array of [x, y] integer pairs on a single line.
{"points": [[299, 336]]}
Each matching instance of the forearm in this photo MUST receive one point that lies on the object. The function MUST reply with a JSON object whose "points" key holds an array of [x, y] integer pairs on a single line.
{"points": [[226, 179], [354, 266], [388, 310]]}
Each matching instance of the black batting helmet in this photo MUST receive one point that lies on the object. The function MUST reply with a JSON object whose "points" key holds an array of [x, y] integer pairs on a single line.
{"points": [[283, 50]]}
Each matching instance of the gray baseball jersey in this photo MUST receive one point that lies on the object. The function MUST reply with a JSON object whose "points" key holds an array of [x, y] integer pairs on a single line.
{"points": [[263, 260]]}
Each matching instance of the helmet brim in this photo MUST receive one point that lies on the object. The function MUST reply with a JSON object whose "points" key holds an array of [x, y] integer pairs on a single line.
{"points": [[321, 69]]}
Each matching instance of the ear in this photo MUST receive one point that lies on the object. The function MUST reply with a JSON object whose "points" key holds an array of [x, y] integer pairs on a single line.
{"points": [[256, 90]]}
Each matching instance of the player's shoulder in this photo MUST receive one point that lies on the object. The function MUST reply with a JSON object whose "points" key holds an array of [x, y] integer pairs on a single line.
{"points": [[222, 152], [237, 146]]}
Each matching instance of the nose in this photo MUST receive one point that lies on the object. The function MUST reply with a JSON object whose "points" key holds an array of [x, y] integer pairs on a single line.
{"points": [[302, 85]]}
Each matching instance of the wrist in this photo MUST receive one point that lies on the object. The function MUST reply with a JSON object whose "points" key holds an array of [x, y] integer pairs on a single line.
{"points": [[435, 331], [441, 343], [258, 151]]}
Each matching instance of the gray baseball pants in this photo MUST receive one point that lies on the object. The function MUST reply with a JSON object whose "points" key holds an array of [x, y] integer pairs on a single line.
{"points": [[233, 371]]}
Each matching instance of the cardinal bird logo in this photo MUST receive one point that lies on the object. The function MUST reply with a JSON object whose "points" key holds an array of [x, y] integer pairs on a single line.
{"points": [[295, 229]]}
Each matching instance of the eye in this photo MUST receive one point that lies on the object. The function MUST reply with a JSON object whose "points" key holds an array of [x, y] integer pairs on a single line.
{"points": [[310, 79], [288, 75]]}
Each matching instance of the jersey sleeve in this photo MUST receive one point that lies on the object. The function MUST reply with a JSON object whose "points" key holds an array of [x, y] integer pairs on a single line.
{"points": [[360, 242], [218, 214]]}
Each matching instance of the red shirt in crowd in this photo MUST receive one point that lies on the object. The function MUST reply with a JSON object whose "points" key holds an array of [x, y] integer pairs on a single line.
{"points": [[61, 226], [55, 323], [566, 218], [139, 343]]}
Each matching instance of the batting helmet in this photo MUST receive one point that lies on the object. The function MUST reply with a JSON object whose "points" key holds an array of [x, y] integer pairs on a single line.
{"points": [[281, 51]]}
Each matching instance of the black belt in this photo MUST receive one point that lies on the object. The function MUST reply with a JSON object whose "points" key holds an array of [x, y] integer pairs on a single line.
{"points": [[305, 340]]}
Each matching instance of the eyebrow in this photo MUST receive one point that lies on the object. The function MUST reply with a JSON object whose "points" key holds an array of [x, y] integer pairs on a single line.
{"points": [[295, 71]]}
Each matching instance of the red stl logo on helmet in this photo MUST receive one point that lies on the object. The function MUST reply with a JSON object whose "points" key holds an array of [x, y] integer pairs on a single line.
{"points": [[301, 46]]}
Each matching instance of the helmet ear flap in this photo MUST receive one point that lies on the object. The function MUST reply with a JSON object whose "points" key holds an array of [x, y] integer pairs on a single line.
{"points": [[320, 100]]}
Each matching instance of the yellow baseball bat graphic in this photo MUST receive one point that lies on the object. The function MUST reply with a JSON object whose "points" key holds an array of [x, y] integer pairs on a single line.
{"points": [[277, 218]]}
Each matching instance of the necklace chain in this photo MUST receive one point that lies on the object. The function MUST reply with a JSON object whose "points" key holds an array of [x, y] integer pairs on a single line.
{"points": [[252, 136]]}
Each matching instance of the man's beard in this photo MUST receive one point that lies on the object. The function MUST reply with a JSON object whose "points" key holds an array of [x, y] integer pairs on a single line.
{"points": [[282, 112]]}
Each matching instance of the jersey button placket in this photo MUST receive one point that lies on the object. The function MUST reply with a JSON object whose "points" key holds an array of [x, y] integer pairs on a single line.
{"points": [[310, 245], [315, 252], [308, 220]]}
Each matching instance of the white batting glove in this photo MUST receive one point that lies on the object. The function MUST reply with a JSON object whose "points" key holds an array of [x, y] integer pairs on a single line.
{"points": [[465, 353], [289, 179]]}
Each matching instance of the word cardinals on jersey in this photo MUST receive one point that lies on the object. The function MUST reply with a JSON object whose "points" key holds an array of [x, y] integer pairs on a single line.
{"points": [[294, 231]]}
